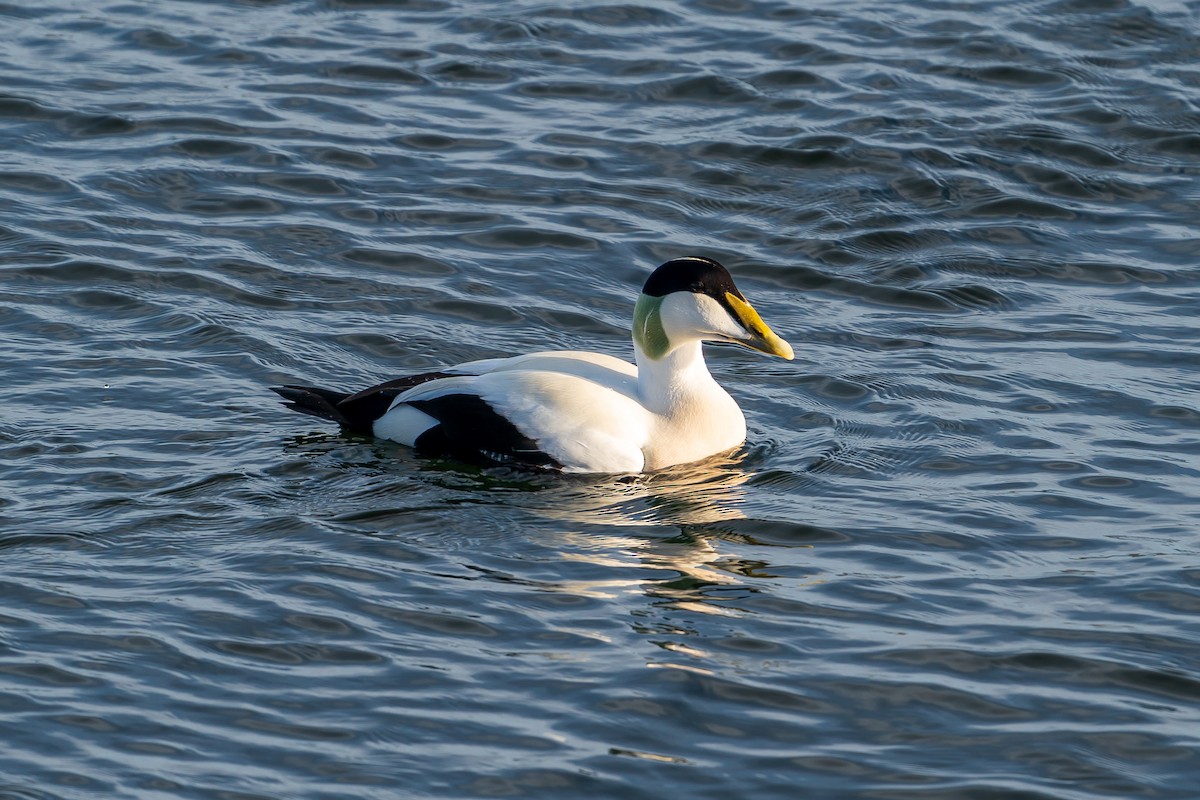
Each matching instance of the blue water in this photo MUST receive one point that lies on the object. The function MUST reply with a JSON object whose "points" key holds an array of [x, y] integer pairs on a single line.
{"points": [[958, 558]]}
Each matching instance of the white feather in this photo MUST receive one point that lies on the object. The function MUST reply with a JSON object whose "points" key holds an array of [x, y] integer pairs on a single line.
{"points": [[403, 424], [592, 414]]}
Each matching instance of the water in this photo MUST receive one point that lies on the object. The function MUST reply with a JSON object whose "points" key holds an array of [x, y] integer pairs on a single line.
{"points": [[957, 559]]}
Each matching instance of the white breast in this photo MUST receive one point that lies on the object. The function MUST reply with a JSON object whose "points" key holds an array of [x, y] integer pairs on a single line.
{"points": [[708, 424]]}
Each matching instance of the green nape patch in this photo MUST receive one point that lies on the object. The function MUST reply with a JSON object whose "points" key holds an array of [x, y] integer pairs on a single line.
{"points": [[648, 332]]}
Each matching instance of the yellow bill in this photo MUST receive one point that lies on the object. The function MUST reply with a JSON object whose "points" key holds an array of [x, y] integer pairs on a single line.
{"points": [[762, 338]]}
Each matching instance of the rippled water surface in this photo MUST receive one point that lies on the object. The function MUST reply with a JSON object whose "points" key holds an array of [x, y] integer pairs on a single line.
{"points": [[958, 557]]}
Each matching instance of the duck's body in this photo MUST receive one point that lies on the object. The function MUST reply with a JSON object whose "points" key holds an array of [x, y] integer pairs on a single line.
{"points": [[578, 411]]}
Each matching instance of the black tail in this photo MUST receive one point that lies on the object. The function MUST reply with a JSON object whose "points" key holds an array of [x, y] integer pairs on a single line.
{"points": [[315, 401], [357, 411]]}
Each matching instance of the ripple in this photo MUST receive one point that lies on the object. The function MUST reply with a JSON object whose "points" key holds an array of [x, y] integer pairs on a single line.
{"points": [[954, 559], [403, 263]]}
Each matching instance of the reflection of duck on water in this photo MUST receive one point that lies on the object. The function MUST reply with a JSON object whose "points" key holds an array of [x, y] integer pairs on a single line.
{"points": [[578, 411], [701, 493], [688, 502]]}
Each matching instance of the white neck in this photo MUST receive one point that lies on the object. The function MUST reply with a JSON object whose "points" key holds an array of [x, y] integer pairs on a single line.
{"points": [[669, 385]]}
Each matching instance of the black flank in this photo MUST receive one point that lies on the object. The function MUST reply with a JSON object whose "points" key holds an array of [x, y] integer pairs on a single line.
{"points": [[472, 431]]}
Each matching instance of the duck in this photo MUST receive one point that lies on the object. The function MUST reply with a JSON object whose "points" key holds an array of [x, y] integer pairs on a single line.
{"points": [[577, 411]]}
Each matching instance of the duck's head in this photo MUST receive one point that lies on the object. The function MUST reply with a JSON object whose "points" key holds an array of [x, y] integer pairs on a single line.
{"points": [[691, 299]]}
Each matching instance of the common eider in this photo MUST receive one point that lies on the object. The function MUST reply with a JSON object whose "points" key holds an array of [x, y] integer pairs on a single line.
{"points": [[578, 411]]}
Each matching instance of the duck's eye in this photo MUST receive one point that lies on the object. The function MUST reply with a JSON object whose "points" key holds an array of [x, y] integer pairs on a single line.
{"points": [[696, 287]]}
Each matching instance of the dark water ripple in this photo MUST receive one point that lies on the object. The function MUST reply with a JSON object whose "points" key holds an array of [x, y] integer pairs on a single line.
{"points": [[957, 558]]}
